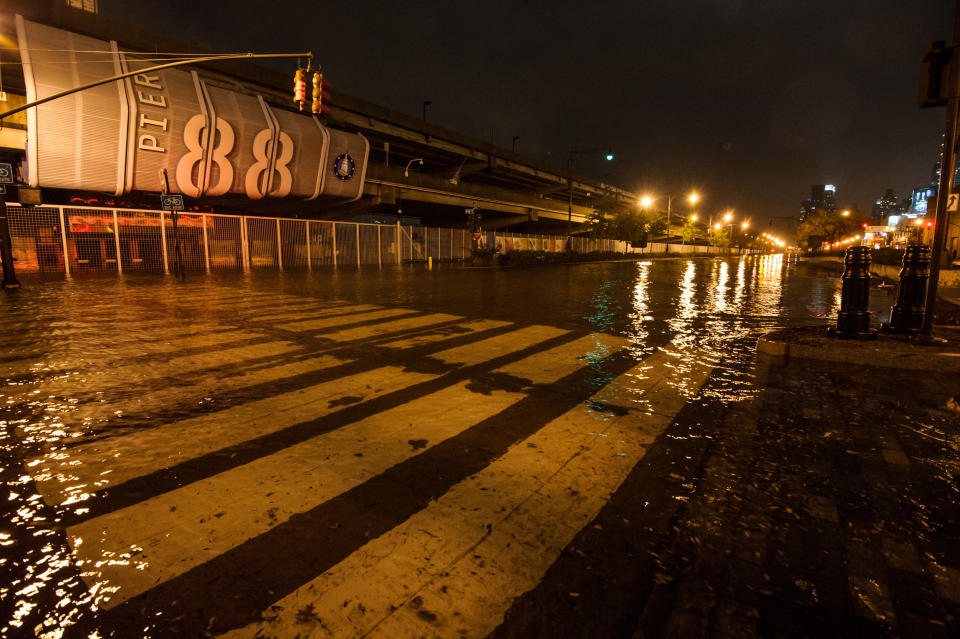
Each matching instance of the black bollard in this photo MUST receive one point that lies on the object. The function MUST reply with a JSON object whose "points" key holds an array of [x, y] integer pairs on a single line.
{"points": [[906, 316], [853, 321]]}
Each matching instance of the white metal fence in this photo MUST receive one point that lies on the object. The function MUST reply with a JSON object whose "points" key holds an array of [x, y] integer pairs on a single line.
{"points": [[64, 239]]}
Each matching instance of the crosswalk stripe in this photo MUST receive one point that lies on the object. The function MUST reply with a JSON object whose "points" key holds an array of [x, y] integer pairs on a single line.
{"points": [[112, 462], [328, 322], [394, 326], [140, 340], [102, 379], [217, 514], [280, 314], [210, 387], [494, 346], [443, 333], [142, 452], [454, 568], [253, 498]]}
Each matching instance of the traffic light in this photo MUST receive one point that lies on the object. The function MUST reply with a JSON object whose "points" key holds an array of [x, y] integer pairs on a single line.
{"points": [[300, 87], [320, 95]]}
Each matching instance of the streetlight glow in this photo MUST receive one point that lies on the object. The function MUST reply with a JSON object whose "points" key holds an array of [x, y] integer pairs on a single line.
{"points": [[693, 218], [694, 198], [646, 201], [718, 226], [728, 216], [745, 225], [845, 214]]}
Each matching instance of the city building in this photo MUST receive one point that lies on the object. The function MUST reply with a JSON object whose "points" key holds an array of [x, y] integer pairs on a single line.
{"points": [[822, 196], [886, 206]]}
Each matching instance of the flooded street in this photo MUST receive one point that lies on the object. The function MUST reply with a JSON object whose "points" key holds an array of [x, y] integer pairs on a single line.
{"points": [[587, 450]]}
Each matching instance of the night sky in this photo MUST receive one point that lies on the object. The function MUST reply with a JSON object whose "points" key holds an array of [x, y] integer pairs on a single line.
{"points": [[748, 101]]}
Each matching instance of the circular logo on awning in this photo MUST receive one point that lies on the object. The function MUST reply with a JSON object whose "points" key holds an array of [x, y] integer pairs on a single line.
{"points": [[344, 166]]}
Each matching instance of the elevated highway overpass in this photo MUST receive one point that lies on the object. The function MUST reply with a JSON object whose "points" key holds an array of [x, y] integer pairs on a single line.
{"points": [[457, 172]]}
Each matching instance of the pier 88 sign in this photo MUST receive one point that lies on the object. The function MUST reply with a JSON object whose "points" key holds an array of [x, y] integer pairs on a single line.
{"points": [[211, 140]]}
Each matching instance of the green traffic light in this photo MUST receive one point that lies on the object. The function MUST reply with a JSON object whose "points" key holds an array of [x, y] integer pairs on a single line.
{"points": [[609, 157]]}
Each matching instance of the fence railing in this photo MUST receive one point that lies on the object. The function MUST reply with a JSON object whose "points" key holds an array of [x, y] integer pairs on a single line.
{"points": [[65, 239]]}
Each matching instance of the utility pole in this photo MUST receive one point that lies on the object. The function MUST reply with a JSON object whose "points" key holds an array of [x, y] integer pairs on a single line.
{"points": [[947, 164]]}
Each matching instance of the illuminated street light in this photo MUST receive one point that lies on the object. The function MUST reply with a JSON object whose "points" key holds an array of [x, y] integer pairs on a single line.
{"points": [[745, 225], [646, 201], [694, 198], [693, 218], [728, 216], [718, 226], [845, 214]]}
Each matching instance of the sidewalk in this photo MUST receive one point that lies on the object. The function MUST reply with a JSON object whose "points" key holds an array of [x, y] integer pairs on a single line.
{"points": [[828, 507]]}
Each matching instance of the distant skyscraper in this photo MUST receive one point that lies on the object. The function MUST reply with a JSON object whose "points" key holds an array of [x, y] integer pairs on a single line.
{"points": [[822, 196], [886, 206]]}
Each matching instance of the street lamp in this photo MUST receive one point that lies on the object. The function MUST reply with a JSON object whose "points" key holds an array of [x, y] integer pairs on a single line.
{"points": [[845, 214], [646, 202], [406, 171], [608, 157]]}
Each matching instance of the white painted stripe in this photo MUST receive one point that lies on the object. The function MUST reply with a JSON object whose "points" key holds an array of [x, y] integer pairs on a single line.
{"points": [[207, 390], [444, 333], [214, 515], [317, 324], [383, 328], [454, 568], [251, 499], [102, 379], [68, 476]]}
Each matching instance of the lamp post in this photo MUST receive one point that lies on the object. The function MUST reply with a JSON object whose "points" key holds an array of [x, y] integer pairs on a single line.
{"points": [[608, 157], [406, 171]]}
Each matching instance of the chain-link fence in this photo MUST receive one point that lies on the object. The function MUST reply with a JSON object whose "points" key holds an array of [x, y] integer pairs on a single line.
{"points": [[52, 239]]}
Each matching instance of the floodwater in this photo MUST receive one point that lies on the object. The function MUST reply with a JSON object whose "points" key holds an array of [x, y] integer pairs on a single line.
{"points": [[143, 416]]}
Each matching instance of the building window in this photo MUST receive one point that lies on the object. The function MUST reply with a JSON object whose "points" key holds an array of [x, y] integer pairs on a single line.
{"points": [[90, 6]]}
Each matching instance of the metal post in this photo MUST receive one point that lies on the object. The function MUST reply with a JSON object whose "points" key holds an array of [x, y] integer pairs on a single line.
{"points": [[163, 242], [357, 229], [306, 223], [397, 245], [853, 321], [206, 244], [178, 252], [333, 233], [947, 164], [63, 239], [244, 244], [116, 240], [379, 248], [906, 316], [6, 248], [279, 247]]}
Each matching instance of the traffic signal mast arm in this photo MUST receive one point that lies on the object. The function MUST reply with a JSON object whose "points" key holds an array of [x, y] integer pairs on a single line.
{"points": [[159, 67]]}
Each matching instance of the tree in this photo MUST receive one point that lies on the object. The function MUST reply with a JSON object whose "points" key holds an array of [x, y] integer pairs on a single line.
{"points": [[628, 224], [719, 237], [829, 226], [688, 232]]}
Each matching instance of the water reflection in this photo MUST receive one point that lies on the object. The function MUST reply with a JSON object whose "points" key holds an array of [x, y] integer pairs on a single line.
{"points": [[697, 312]]}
